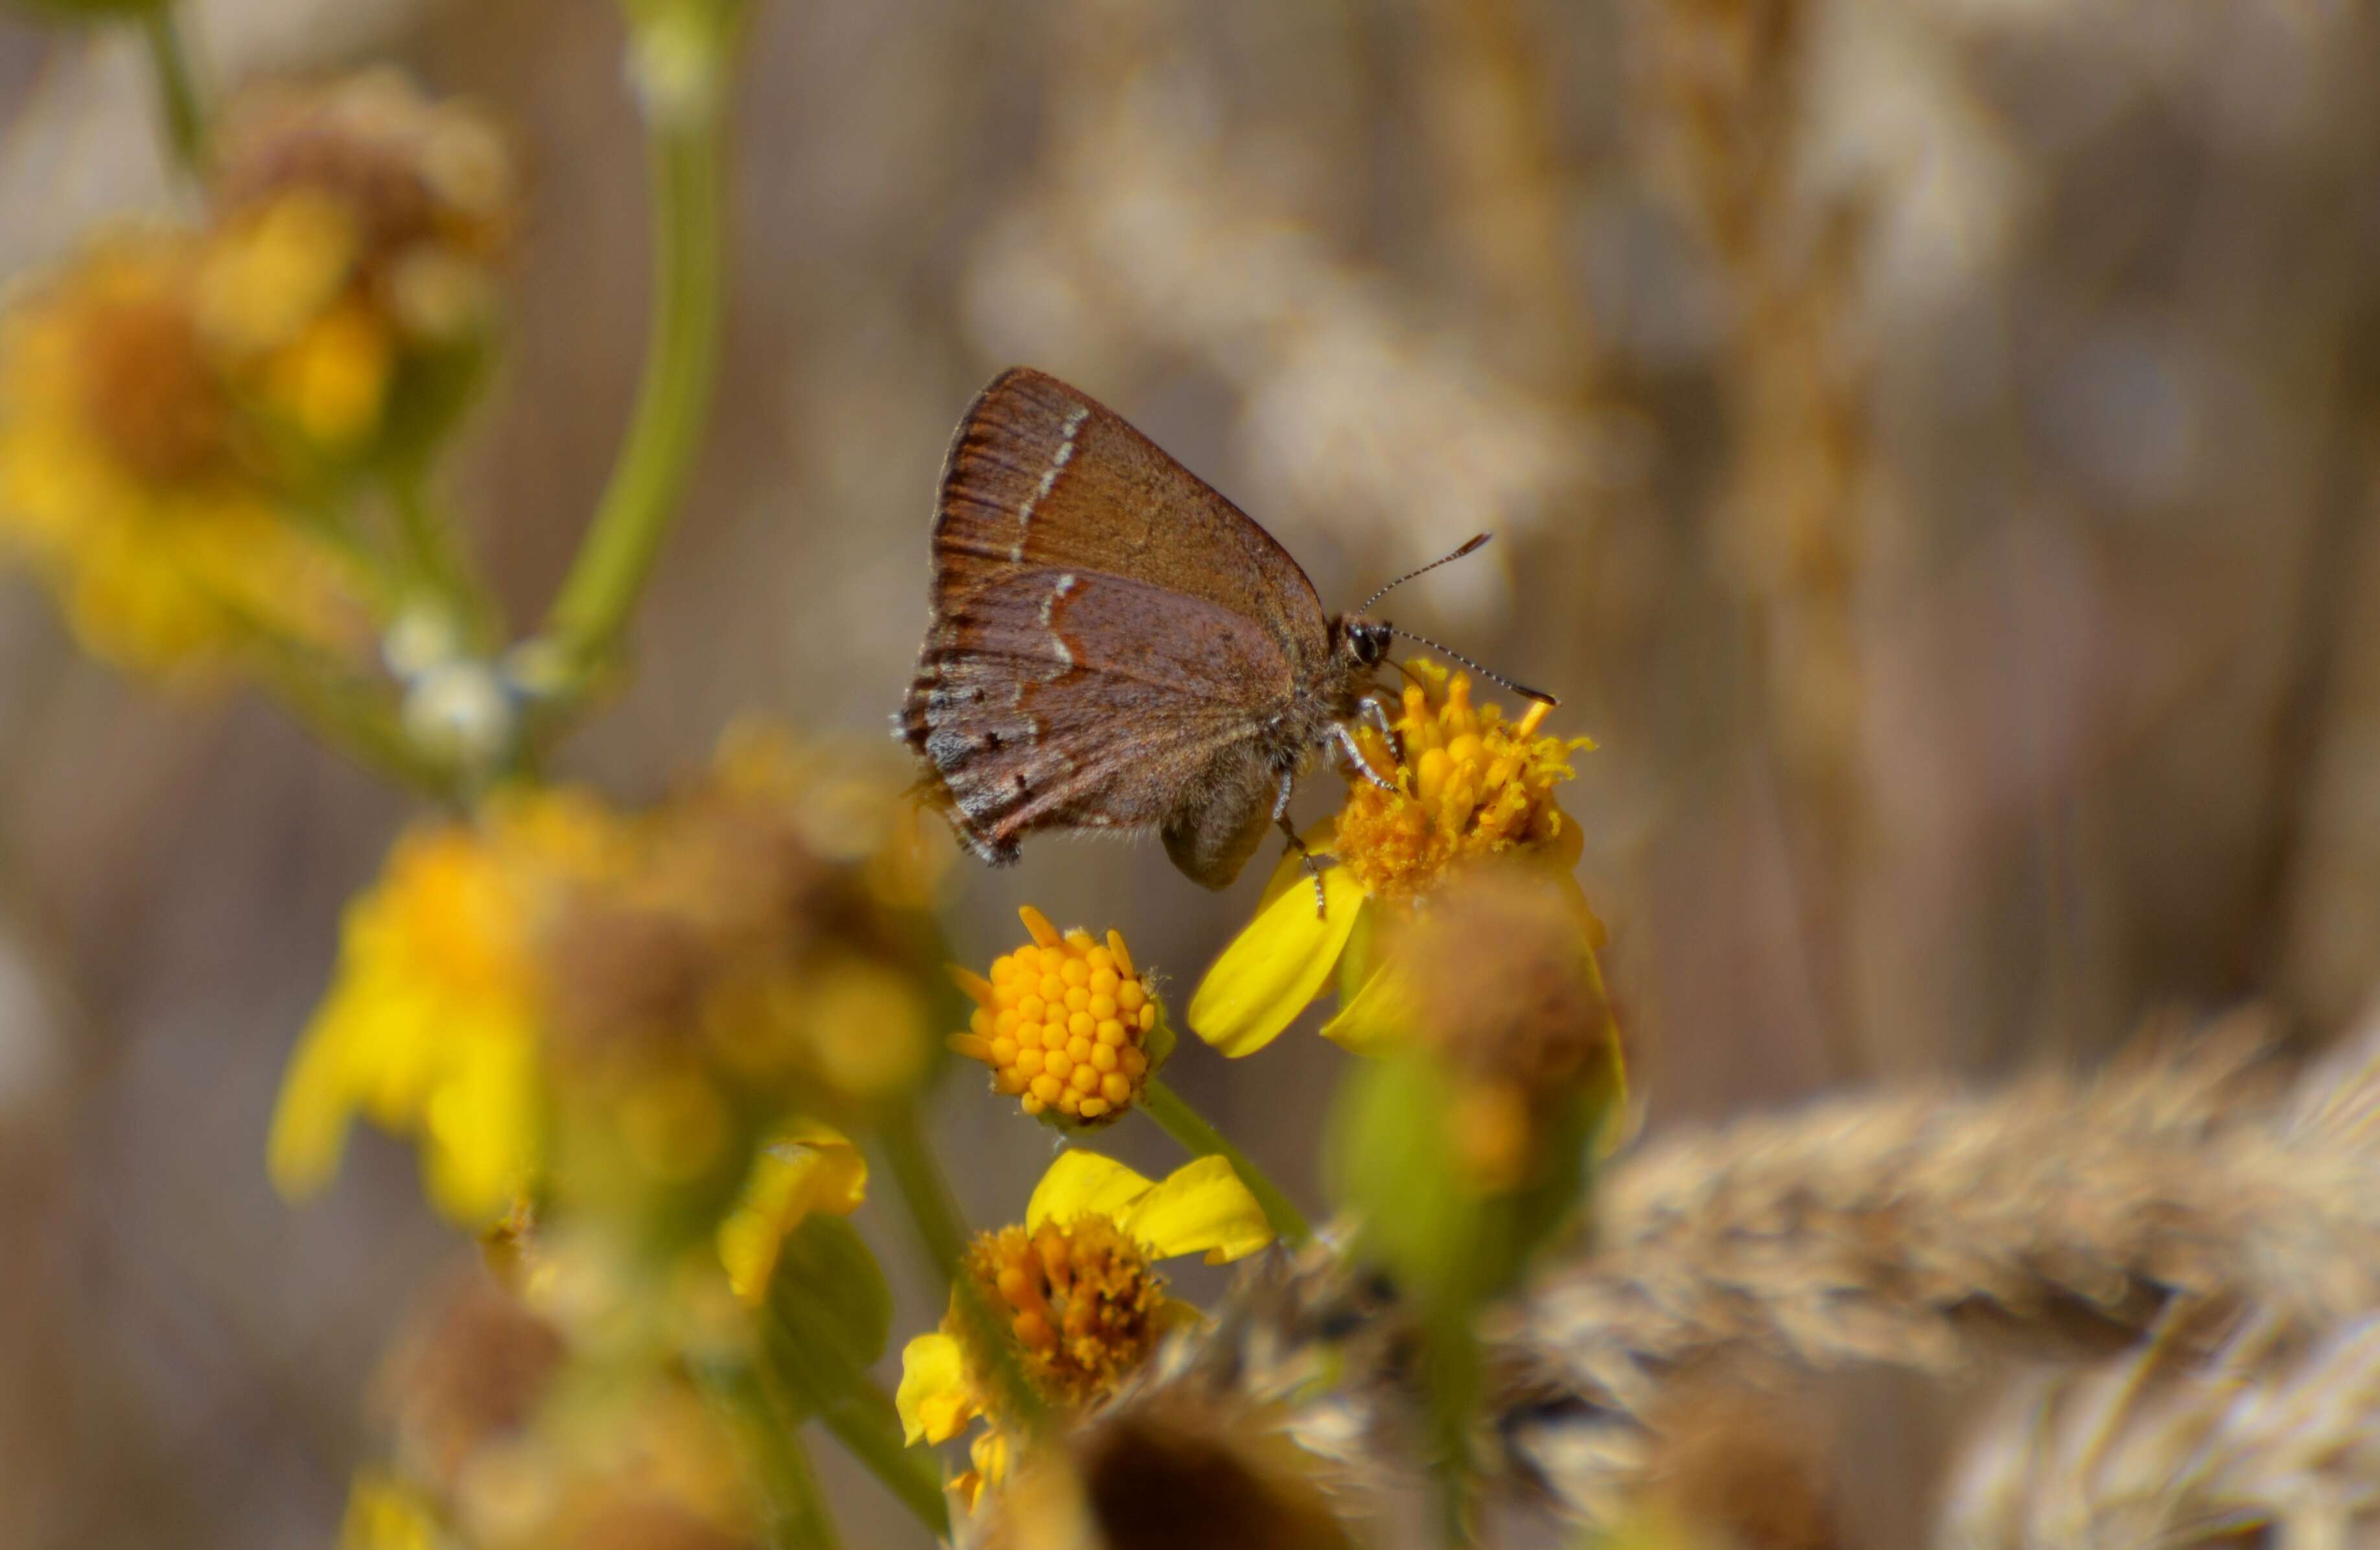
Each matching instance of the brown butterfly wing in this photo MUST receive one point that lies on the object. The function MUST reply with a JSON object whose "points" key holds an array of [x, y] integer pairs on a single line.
{"points": [[1026, 726], [1039, 474], [1111, 640]]}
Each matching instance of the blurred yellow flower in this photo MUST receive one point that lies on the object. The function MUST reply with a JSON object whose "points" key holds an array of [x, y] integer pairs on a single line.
{"points": [[786, 956], [506, 1438], [433, 1021], [1079, 1287], [1469, 786], [1066, 1026], [1497, 985], [805, 1167], [636, 1013], [357, 224], [128, 476], [383, 1513], [846, 806]]}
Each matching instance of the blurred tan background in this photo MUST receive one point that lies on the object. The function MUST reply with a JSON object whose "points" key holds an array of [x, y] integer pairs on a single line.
{"points": [[1932, 444]]}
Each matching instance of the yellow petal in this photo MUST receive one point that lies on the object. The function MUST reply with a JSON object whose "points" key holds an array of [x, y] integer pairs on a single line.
{"points": [[384, 1514], [1375, 1021], [1322, 840], [1276, 966], [840, 1178], [990, 1453], [747, 1243], [1362, 957], [1588, 921], [934, 1399], [309, 1120], [477, 1142], [1173, 1314], [1200, 1207], [808, 1167], [1083, 1184]]}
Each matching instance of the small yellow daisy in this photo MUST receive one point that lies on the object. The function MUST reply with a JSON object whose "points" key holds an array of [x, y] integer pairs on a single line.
{"points": [[1078, 1286], [1067, 1025], [1467, 785]]}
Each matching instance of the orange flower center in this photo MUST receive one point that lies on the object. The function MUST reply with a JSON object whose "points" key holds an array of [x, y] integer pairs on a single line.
{"points": [[1082, 1299], [1470, 785], [147, 391]]}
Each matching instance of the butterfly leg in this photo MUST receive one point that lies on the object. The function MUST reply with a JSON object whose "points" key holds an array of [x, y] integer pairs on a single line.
{"points": [[1297, 841], [1347, 745], [1376, 711]]}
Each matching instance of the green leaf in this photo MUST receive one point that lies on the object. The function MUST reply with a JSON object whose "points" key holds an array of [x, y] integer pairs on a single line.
{"points": [[828, 1289]]}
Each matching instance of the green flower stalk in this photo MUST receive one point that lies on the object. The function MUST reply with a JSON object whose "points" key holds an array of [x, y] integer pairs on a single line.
{"points": [[177, 84], [1465, 1149], [680, 58]]}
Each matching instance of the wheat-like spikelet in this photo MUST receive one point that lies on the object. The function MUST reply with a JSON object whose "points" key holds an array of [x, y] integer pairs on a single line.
{"points": [[1924, 1232], [2277, 1433], [2277, 1436]]}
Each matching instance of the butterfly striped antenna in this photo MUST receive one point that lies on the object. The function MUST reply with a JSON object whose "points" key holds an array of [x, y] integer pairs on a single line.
{"points": [[1470, 545], [1524, 691]]}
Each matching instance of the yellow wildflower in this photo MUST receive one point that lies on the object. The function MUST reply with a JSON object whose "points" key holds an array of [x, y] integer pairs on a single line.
{"points": [[129, 481], [1068, 1028], [806, 1168], [626, 1009], [743, 940], [356, 222], [1077, 1285], [1468, 786], [534, 1450], [433, 1017]]}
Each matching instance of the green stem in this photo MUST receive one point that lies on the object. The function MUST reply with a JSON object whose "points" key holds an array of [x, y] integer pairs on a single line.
{"points": [[909, 1475], [934, 1212], [365, 730], [673, 402], [434, 550], [177, 92], [781, 1466], [1451, 1381], [1200, 1138], [796, 1359], [340, 710]]}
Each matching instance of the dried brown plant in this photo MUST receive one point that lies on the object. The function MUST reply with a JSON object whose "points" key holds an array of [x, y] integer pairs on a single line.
{"points": [[2275, 1436], [1151, 233], [2189, 1195], [1932, 1233]]}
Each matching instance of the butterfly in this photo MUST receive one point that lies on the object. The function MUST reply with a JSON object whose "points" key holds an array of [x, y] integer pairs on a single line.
{"points": [[1116, 646]]}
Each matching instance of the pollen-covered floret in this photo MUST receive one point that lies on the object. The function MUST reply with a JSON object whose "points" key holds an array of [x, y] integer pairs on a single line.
{"points": [[1065, 1023], [1081, 1298], [1468, 784]]}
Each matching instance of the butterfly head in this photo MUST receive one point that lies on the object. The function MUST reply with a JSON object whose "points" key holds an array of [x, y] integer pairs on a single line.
{"points": [[1363, 641]]}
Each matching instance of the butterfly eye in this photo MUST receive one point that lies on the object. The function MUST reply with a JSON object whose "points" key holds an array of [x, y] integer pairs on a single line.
{"points": [[1369, 642]]}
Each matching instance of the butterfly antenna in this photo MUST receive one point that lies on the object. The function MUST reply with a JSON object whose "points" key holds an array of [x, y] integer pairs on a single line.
{"points": [[1474, 542], [1524, 691]]}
